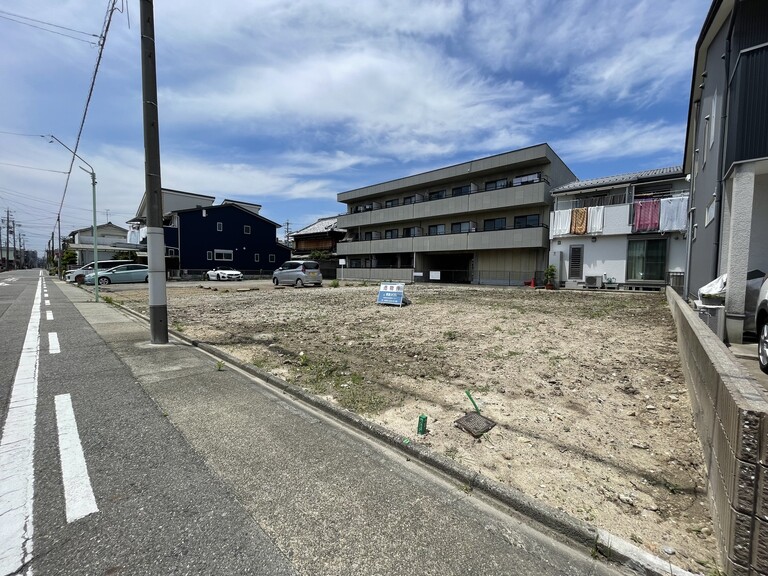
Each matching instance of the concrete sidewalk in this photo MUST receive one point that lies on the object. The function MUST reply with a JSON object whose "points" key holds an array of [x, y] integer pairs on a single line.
{"points": [[339, 495]]}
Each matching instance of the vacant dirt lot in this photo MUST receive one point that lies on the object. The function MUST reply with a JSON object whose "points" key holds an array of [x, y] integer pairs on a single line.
{"points": [[586, 388]]}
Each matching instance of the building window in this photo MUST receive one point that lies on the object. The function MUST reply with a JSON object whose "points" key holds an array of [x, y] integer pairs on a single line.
{"points": [[647, 259], [437, 195], [256, 257], [528, 221], [246, 229], [494, 224], [209, 255], [709, 215], [460, 190], [496, 184], [392, 203], [411, 232], [224, 255], [436, 229], [526, 179], [368, 236], [271, 257], [390, 233], [409, 199], [713, 114], [576, 262], [219, 226], [460, 227]]}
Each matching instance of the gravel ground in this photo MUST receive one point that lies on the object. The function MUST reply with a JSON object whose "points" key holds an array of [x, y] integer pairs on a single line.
{"points": [[591, 407]]}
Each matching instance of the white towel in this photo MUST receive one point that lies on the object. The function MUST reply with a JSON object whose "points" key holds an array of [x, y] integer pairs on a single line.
{"points": [[561, 223], [673, 214], [595, 219]]}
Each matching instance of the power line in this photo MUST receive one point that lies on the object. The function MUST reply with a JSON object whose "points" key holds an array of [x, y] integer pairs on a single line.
{"points": [[102, 43], [33, 168], [3, 16]]}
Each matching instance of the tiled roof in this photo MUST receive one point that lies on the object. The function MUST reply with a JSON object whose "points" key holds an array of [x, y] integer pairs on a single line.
{"points": [[619, 179], [322, 225]]}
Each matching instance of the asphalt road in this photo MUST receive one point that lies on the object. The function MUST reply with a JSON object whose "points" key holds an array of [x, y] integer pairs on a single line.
{"points": [[159, 508]]}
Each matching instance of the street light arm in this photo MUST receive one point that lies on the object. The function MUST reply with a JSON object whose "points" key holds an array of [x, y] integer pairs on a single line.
{"points": [[75, 154]]}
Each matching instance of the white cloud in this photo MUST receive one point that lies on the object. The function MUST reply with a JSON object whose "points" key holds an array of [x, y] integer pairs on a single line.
{"points": [[622, 139]]}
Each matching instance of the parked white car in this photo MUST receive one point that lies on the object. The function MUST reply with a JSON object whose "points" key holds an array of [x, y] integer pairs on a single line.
{"points": [[761, 327], [78, 275], [223, 273]]}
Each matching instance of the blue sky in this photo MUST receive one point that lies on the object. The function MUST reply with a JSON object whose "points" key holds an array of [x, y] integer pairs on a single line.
{"points": [[286, 104]]}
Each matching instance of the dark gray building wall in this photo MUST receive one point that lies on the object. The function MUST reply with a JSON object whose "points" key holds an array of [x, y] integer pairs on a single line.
{"points": [[706, 181]]}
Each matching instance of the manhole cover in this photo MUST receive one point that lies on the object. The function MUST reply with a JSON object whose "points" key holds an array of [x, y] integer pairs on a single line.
{"points": [[475, 424]]}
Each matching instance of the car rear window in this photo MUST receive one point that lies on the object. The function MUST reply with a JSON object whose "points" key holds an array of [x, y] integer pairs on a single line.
{"points": [[311, 265]]}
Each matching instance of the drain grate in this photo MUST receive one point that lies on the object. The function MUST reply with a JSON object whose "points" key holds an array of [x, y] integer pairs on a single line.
{"points": [[475, 424]]}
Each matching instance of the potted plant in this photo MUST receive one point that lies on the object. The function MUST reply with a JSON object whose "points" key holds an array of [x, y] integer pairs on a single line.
{"points": [[550, 273]]}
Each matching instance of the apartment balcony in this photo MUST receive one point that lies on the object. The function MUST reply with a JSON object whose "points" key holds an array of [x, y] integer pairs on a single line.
{"points": [[463, 242], [533, 194]]}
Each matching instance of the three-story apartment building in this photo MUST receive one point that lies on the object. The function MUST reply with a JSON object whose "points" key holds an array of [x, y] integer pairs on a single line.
{"points": [[485, 221]]}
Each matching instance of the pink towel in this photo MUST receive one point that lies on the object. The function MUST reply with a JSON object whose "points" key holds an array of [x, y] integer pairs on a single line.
{"points": [[646, 216]]}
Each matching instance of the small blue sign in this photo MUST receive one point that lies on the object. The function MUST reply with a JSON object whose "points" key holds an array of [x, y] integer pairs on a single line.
{"points": [[393, 294]]}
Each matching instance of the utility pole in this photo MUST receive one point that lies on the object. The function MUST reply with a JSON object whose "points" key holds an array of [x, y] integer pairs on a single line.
{"points": [[7, 240], [14, 245], [158, 304], [58, 223]]}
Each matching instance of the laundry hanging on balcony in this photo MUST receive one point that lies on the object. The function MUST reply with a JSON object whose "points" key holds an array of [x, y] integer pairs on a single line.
{"points": [[595, 217], [673, 214], [561, 223], [646, 216], [579, 221]]}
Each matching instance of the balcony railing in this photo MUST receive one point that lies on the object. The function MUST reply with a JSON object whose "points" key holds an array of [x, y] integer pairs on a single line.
{"points": [[422, 198]]}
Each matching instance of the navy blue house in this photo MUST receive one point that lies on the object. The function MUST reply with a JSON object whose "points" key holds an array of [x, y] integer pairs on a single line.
{"points": [[229, 234]]}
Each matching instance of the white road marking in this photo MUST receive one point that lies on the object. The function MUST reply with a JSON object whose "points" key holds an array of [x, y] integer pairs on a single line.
{"points": [[47, 302], [17, 448], [53, 343], [78, 493], [48, 315]]}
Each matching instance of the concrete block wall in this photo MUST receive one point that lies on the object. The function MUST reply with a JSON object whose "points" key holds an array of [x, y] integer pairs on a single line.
{"points": [[729, 411]]}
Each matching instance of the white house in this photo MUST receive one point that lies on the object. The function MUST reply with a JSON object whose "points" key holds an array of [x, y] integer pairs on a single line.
{"points": [[626, 231]]}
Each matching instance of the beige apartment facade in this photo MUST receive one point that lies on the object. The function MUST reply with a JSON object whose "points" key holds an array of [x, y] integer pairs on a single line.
{"points": [[485, 221]]}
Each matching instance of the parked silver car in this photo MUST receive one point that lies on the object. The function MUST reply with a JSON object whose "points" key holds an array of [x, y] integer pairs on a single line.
{"points": [[298, 273], [121, 275], [761, 327]]}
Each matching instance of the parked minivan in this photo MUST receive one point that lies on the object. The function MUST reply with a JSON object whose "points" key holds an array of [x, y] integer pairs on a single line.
{"points": [[298, 273], [78, 275]]}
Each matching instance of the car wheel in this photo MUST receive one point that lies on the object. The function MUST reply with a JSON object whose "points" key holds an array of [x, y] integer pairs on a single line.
{"points": [[299, 283], [275, 281], [762, 348], [218, 277], [205, 277], [103, 281], [146, 278]]}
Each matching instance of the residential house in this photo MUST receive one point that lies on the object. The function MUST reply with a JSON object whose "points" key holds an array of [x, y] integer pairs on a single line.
{"points": [[626, 231], [232, 234], [484, 221], [322, 236], [81, 241], [726, 155]]}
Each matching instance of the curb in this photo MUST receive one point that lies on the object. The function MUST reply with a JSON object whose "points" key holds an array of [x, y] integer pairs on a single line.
{"points": [[578, 532]]}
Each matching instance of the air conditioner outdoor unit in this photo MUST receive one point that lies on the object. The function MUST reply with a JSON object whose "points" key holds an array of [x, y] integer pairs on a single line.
{"points": [[593, 281]]}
